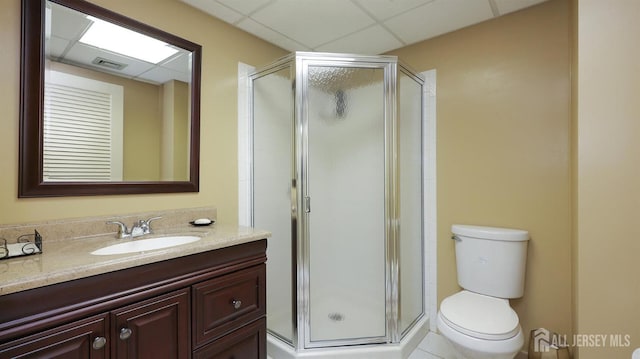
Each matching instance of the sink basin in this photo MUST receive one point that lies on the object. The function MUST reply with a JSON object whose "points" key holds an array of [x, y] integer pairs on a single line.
{"points": [[141, 245]]}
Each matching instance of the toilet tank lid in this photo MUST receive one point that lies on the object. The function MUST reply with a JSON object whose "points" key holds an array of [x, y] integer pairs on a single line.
{"points": [[495, 233]]}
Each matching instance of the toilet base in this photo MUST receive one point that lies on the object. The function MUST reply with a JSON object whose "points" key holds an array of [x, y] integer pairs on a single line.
{"points": [[467, 347]]}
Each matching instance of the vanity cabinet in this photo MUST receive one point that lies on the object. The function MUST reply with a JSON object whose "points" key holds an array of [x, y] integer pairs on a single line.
{"points": [[157, 328], [206, 305]]}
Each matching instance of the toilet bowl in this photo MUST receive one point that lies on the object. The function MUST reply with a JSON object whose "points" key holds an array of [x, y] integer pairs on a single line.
{"points": [[478, 321], [479, 326]]}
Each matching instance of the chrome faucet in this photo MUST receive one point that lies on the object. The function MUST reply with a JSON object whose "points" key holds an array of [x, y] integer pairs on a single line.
{"points": [[139, 228]]}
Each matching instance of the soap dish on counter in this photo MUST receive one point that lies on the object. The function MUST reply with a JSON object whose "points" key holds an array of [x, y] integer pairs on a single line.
{"points": [[23, 247], [202, 222]]}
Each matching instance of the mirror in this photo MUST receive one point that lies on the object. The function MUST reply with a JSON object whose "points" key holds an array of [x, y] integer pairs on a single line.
{"points": [[99, 118]]}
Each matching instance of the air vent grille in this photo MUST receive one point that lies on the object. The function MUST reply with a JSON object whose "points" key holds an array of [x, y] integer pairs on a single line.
{"points": [[108, 63]]}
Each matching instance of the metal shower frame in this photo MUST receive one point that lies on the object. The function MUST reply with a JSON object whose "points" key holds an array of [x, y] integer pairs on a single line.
{"points": [[298, 63]]}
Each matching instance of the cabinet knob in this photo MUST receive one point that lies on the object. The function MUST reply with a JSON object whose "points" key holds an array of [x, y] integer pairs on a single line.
{"points": [[236, 303], [125, 333], [99, 342]]}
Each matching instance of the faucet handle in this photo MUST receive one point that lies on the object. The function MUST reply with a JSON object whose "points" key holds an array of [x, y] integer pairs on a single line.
{"points": [[152, 219], [146, 225], [123, 231]]}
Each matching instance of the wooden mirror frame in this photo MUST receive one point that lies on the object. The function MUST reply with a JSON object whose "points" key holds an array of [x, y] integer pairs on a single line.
{"points": [[30, 181]]}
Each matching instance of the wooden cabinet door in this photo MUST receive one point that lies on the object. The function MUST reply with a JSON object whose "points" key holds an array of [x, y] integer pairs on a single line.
{"points": [[156, 328], [83, 339]]}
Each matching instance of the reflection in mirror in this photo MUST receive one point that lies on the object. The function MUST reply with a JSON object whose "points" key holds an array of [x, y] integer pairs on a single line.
{"points": [[116, 104]]}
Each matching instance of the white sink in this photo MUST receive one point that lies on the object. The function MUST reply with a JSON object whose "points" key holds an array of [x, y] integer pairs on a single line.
{"points": [[141, 245]]}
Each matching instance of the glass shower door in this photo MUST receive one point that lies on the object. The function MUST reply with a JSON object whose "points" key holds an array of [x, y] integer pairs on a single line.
{"points": [[344, 204], [272, 130]]}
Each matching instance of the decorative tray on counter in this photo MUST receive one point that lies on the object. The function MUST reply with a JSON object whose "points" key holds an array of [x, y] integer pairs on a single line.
{"points": [[24, 246]]}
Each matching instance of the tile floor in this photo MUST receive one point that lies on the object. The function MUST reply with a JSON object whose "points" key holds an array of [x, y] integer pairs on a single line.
{"points": [[433, 346]]}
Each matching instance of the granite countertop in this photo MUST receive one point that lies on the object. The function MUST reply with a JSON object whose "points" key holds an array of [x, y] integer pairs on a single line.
{"points": [[69, 259]]}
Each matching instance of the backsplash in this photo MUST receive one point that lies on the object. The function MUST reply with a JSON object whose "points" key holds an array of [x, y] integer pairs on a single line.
{"points": [[97, 226]]}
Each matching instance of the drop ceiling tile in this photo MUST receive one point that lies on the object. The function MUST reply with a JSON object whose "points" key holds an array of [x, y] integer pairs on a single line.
{"points": [[83, 55], [67, 23], [55, 47], [160, 75], [313, 23], [180, 63], [271, 36], [384, 9], [216, 9], [322, 24], [360, 42], [507, 6], [437, 18], [244, 6]]}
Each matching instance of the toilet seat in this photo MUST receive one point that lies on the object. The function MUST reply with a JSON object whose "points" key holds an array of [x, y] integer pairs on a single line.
{"points": [[480, 316]]}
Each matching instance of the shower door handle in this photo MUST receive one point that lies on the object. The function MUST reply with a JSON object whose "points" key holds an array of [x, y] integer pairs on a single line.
{"points": [[294, 199], [307, 205]]}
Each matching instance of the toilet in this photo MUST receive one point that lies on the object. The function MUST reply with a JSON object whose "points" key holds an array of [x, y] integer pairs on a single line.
{"points": [[478, 321]]}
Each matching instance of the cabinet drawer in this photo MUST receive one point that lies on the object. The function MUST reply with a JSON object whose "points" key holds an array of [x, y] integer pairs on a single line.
{"points": [[246, 342], [223, 304]]}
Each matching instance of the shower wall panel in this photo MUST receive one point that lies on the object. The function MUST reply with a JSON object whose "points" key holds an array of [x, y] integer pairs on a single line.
{"points": [[411, 283]]}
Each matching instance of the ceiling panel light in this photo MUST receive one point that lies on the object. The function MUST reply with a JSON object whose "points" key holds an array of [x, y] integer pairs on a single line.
{"points": [[111, 37]]}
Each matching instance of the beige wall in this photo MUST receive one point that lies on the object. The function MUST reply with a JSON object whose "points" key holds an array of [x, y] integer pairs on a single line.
{"points": [[574, 163], [175, 131], [223, 47], [505, 146], [503, 129], [608, 173], [142, 131]]}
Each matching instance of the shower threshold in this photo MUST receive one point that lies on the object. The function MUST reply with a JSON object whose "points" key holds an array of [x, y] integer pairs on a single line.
{"points": [[277, 349]]}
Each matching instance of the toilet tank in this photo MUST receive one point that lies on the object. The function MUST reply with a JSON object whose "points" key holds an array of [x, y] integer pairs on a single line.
{"points": [[491, 260]]}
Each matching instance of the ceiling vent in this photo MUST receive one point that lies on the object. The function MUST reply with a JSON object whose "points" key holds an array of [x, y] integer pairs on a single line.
{"points": [[108, 63]]}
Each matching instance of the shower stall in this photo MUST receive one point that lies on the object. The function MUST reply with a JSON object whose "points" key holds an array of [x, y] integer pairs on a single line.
{"points": [[337, 177]]}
